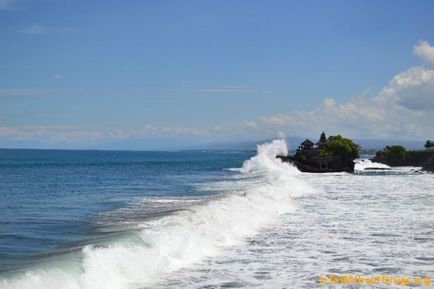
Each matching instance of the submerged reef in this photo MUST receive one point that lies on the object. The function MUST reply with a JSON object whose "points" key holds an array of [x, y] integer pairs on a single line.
{"points": [[333, 154]]}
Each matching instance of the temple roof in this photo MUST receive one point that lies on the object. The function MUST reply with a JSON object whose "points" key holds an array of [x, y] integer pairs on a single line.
{"points": [[307, 142]]}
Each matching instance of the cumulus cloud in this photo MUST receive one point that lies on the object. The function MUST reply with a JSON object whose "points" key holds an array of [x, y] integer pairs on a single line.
{"points": [[425, 51], [403, 108], [354, 118], [413, 89], [386, 115]]}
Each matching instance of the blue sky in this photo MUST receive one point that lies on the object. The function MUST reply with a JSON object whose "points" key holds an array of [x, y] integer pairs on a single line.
{"points": [[77, 74]]}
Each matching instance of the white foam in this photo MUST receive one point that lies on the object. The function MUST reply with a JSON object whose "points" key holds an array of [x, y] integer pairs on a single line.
{"points": [[187, 237], [363, 164]]}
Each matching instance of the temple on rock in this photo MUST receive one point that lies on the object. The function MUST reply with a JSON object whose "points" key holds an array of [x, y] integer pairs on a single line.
{"points": [[316, 158]]}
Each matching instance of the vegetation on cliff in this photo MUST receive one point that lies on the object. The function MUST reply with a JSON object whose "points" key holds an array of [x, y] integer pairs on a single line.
{"points": [[338, 145], [395, 151], [397, 155], [429, 144], [333, 154]]}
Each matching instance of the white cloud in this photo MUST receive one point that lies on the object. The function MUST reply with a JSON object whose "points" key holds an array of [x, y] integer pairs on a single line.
{"points": [[57, 76], [34, 29], [76, 135], [393, 113], [404, 108], [250, 124], [5, 131], [413, 89], [358, 117], [425, 51]]}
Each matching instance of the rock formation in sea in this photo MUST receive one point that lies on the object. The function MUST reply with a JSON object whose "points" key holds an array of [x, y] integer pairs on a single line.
{"points": [[333, 154]]}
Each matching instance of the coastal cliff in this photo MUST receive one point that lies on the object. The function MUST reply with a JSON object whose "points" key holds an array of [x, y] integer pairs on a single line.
{"points": [[397, 155], [335, 154]]}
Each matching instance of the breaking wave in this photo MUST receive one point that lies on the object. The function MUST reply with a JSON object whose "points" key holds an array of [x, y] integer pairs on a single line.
{"points": [[365, 164], [256, 197]]}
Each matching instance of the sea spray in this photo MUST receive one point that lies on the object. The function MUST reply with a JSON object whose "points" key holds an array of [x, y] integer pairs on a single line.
{"points": [[362, 164], [187, 237]]}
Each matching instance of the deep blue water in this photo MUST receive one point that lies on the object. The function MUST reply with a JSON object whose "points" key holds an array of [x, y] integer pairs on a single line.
{"points": [[52, 200]]}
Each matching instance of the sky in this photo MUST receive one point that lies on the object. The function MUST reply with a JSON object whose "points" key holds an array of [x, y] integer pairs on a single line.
{"points": [[161, 74]]}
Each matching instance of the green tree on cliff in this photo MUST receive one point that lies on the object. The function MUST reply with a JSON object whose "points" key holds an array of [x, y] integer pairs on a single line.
{"points": [[395, 151], [338, 145], [429, 144]]}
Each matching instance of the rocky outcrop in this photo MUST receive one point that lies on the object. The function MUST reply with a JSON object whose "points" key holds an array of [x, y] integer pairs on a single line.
{"points": [[318, 164], [335, 154], [429, 167], [395, 156]]}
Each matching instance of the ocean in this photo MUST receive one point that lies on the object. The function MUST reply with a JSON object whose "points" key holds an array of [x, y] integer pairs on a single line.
{"points": [[206, 219]]}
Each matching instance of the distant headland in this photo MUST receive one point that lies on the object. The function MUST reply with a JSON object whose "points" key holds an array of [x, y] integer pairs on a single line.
{"points": [[397, 155], [337, 154], [332, 154]]}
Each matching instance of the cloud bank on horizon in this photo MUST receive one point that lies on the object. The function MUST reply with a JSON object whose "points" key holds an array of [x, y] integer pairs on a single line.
{"points": [[404, 108]]}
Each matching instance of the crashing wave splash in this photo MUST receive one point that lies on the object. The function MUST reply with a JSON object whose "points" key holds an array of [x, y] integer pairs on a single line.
{"points": [[365, 164]]}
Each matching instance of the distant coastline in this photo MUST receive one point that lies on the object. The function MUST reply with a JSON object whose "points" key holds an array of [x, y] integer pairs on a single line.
{"points": [[397, 155]]}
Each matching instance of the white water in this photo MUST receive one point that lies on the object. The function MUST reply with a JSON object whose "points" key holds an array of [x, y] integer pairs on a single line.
{"points": [[264, 191], [365, 223], [364, 164]]}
